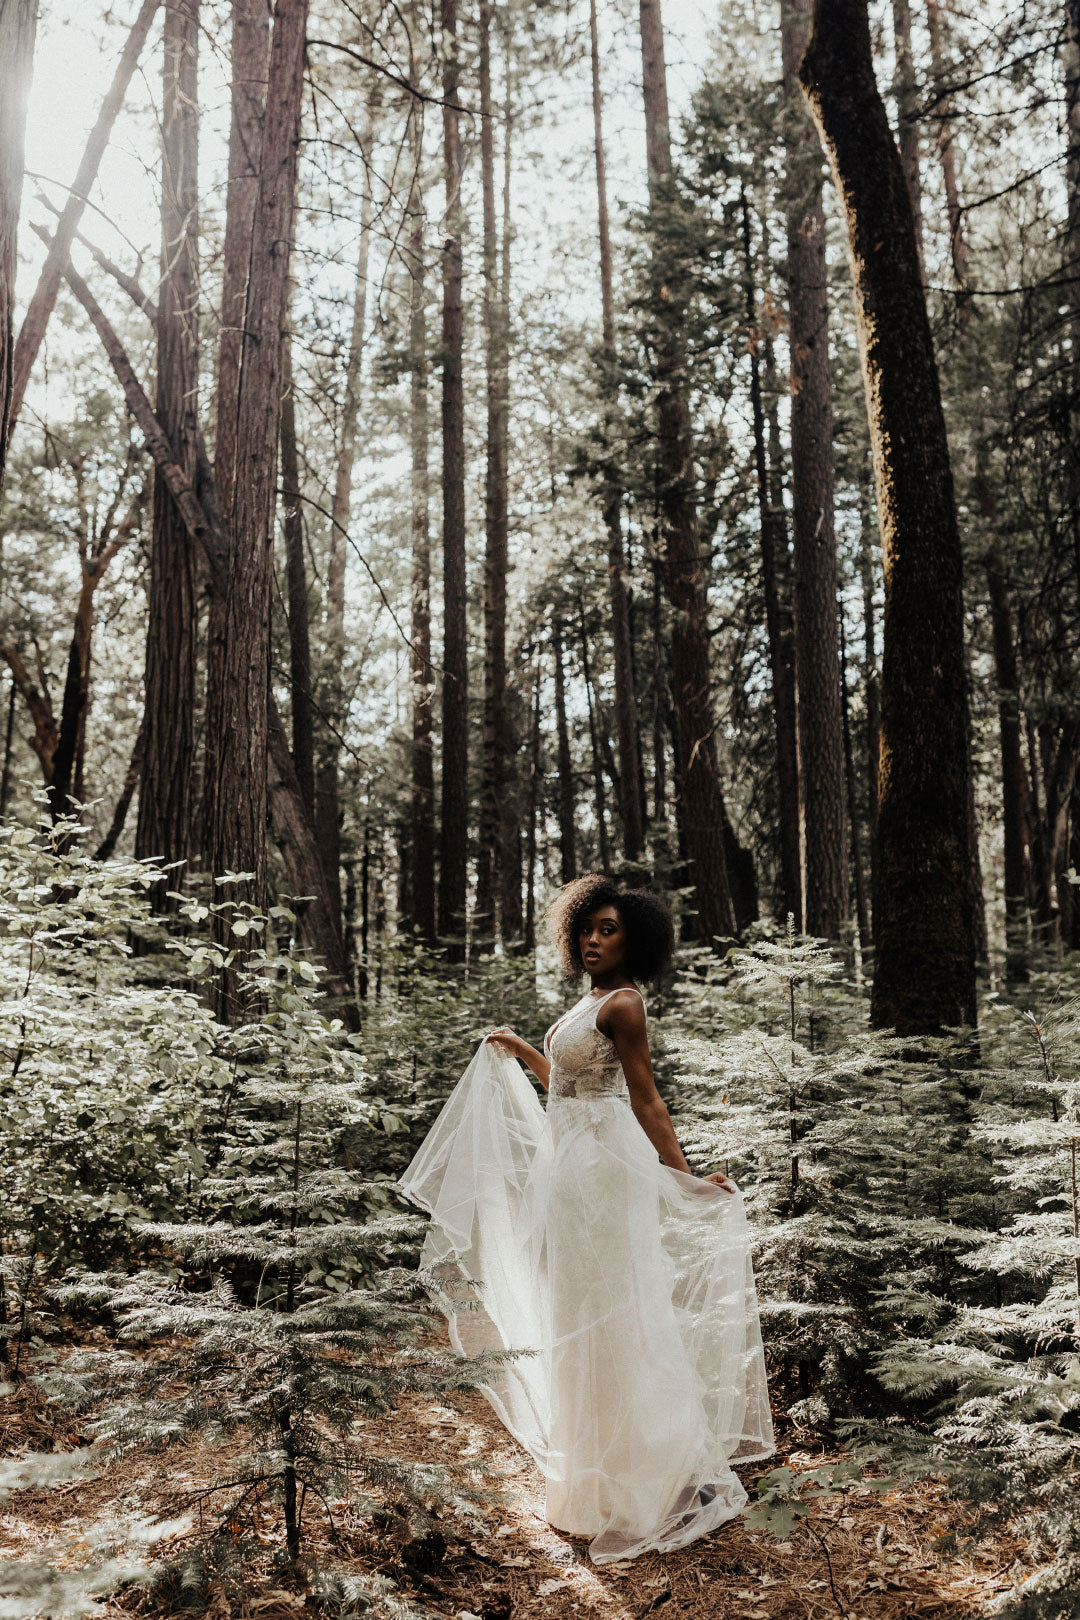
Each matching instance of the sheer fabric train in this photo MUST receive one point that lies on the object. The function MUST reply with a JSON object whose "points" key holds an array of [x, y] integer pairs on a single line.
{"points": [[631, 1282]]}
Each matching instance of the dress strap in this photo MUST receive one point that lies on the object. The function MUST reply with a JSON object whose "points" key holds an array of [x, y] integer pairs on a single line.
{"points": [[599, 1003]]}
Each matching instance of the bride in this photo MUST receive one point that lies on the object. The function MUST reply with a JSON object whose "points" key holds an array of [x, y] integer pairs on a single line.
{"points": [[579, 1233]]}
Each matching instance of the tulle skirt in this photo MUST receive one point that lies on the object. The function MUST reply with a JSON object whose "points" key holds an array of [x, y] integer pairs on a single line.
{"points": [[559, 1232]]}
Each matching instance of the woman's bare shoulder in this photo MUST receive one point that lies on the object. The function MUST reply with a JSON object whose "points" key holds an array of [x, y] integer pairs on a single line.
{"points": [[622, 1014]]}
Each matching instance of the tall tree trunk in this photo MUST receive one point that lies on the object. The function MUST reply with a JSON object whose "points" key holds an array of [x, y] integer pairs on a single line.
{"points": [[872, 693], [164, 823], [599, 803], [18, 27], [630, 800], [511, 917], [862, 914], [248, 67], [700, 795], [528, 943], [905, 88], [567, 844], [43, 301], [942, 115], [1013, 781], [817, 661], [327, 799], [303, 716], [292, 826], [493, 763], [773, 537], [660, 698], [453, 874], [925, 976], [238, 787], [423, 765]]}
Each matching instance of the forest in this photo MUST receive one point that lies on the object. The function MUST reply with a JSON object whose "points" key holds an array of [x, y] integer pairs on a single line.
{"points": [[448, 447]]}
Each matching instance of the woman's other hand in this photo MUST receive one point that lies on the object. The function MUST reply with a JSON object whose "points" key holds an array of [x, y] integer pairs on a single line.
{"points": [[719, 1179]]}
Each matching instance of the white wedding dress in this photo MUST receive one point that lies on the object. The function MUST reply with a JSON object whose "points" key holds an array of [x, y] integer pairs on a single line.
{"points": [[630, 1282]]}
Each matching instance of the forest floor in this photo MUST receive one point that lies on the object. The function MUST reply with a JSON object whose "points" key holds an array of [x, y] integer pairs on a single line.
{"points": [[906, 1554]]}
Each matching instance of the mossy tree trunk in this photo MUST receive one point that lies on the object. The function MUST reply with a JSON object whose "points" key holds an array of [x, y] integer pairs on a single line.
{"points": [[925, 967]]}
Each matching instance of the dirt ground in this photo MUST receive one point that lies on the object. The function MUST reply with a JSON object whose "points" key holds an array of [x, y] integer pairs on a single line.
{"points": [[887, 1557]]}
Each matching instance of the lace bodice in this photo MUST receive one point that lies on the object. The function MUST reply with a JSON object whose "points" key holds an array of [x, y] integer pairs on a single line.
{"points": [[584, 1062]]}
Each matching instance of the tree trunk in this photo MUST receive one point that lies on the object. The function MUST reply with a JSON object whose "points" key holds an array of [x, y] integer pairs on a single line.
{"points": [[862, 914], [630, 801], [455, 692], [18, 27], [567, 846], [303, 716], [292, 826], [237, 786], [872, 693], [511, 917], [905, 89], [817, 661], [660, 698], [599, 804], [773, 537], [700, 795], [925, 974], [528, 943], [495, 741], [43, 301], [942, 112], [1013, 782], [249, 56], [423, 765], [164, 823], [327, 798]]}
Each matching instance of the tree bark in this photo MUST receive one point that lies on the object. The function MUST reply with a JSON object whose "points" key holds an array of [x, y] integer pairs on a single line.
{"points": [[905, 89], [71, 730], [164, 823], [925, 971], [700, 795], [630, 798], [1013, 781], [773, 537], [43, 301], [862, 914], [495, 737], [18, 28], [528, 943], [453, 876], [303, 714], [250, 48], [872, 692], [327, 794], [599, 802], [817, 660], [423, 761], [292, 827], [237, 787], [946, 151], [567, 843]]}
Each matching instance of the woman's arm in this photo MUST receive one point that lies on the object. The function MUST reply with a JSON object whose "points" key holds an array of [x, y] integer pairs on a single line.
{"points": [[532, 1059], [623, 1019]]}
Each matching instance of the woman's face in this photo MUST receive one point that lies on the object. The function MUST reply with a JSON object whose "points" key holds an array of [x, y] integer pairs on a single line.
{"points": [[602, 942]]}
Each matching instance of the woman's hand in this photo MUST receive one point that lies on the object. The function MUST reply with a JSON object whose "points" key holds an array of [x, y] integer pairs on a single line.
{"points": [[507, 1040], [719, 1179]]}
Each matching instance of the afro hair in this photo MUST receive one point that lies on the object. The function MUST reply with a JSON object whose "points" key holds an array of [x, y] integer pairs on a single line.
{"points": [[650, 932]]}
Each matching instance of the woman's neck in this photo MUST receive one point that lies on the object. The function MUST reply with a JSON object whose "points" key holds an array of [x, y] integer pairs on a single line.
{"points": [[615, 980]]}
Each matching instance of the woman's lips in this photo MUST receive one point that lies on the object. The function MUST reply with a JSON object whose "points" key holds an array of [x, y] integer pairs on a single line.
{"points": [[592, 956]]}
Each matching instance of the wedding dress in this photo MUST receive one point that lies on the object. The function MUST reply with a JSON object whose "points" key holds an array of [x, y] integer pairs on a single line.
{"points": [[559, 1232]]}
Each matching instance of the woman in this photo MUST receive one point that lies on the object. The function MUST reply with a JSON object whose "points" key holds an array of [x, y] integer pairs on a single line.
{"points": [[627, 1276]]}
